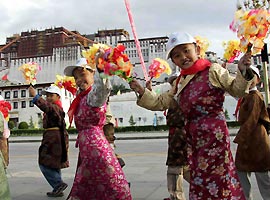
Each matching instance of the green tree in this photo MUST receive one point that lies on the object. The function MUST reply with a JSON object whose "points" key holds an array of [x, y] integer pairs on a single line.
{"points": [[31, 123], [40, 120], [226, 114], [131, 121]]}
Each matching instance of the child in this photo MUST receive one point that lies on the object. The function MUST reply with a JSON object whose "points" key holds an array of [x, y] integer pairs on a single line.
{"points": [[54, 145], [253, 150], [177, 149], [108, 130], [4, 186], [200, 97], [98, 174], [4, 146]]}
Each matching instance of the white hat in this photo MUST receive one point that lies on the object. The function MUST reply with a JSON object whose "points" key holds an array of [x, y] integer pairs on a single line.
{"points": [[82, 62], [255, 70], [176, 39], [52, 89]]}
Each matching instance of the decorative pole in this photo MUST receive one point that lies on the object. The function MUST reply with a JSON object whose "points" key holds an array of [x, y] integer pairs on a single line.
{"points": [[131, 21]]}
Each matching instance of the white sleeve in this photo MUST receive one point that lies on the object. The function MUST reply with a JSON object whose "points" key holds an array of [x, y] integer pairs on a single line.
{"points": [[100, 91]]}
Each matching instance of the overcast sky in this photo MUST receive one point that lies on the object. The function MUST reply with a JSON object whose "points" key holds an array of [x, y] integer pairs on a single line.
{"points": [[153, 18]]}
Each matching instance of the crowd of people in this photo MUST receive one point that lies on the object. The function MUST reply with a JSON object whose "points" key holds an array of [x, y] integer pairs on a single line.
{"points": [[198, 140]]}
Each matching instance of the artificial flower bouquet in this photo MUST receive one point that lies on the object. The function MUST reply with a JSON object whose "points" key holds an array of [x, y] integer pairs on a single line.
{"points": [[30, 71], [110, 60], [252, 27], [157, 67]]}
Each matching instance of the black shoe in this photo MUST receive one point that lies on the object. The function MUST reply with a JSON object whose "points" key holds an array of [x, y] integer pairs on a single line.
{"points": [[53, 194], [59, 189]]}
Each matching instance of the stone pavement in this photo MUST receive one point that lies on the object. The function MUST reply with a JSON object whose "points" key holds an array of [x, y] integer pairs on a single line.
{"points": [[119, 136], [144, 154]]}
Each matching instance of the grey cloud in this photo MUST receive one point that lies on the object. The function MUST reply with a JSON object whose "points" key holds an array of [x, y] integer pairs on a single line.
{"points": [[209, 18]]}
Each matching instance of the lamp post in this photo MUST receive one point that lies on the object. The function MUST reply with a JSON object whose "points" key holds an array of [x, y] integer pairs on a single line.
{"points": [[265, 60]]}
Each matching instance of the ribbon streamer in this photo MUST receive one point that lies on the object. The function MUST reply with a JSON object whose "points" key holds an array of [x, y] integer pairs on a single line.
{"points": [[137, 43]]}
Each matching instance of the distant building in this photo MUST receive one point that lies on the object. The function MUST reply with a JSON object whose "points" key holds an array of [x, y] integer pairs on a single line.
{"points": [[52, 49], [22, 107], [55, 48]]}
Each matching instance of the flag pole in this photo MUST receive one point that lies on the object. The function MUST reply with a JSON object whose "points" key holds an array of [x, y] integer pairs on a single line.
{"points": [[266, 82]]}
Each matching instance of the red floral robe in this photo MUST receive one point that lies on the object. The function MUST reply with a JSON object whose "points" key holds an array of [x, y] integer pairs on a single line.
{"points": [[99, 175], [213, 173]]}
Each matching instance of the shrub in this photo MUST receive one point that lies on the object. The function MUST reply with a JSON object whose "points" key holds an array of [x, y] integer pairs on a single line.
{"points": [[11, 124], [23, 125]]}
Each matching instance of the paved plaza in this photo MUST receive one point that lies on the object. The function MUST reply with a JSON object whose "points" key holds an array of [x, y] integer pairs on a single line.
{"points": [[145, 167]]}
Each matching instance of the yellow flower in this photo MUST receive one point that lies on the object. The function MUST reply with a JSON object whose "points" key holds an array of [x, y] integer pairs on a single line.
{"points": [[252, 28], [203, 43], [232, 49]]}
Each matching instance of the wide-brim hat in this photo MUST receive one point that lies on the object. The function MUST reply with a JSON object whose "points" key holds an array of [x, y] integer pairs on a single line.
{"points": [[255, 70], [176, 39], [82, 62], [52, 89]]}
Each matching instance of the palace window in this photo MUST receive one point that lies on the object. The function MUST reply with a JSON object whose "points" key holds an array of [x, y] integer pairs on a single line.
{"points": [[15, 105], [31, 104], [39, 91], [15, 94], [23, 104], [7, 95], [23, 93]]}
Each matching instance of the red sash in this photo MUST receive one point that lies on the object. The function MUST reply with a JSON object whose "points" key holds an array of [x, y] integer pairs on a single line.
{"points": [[75, 103]]}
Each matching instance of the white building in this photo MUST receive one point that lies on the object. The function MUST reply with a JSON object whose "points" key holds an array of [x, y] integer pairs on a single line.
{"points": [[22, 107], [54, 49]]}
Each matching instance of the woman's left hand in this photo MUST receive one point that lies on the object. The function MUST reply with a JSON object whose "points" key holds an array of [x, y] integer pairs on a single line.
{"points": [[32, 91], [244, 62]]}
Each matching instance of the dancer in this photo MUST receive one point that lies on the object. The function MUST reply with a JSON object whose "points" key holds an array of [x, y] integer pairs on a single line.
{"points": [[253, 149], [201, 97], [54, 146], [99, 174]]}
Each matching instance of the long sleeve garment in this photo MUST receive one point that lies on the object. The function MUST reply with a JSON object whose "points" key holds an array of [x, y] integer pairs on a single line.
{"points": [[201, 97], [253, 149], [54, 144], [98, 174]]}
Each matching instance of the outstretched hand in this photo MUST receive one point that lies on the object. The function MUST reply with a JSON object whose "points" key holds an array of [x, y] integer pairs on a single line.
{"points": [[148, 85], [32, 91], [244, 62], [135, 85]]}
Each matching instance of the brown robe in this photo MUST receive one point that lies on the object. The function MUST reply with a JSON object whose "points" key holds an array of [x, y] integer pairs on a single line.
{"points": [[177, 145], [253, 150], [53, 151]]}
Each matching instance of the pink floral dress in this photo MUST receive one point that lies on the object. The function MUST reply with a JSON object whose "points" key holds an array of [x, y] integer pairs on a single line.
{"points": [[99, 175], [213, 173]]}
